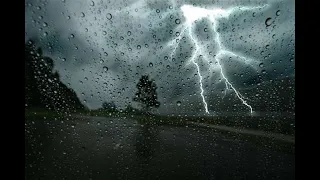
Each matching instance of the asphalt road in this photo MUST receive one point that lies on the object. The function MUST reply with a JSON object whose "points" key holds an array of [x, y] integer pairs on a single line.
{"points": [[118, 148]]}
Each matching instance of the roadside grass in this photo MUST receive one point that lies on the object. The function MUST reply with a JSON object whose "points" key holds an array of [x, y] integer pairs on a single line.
{"points": [[37, 112], [281, 126], [260, 141], [274, 125]]}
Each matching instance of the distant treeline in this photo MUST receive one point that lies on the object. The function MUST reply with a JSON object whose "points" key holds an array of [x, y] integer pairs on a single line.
{"points": [[43, 88]]}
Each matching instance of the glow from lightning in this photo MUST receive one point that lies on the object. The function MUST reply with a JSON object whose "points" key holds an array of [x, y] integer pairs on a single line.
{"points": [[192, 14], [178, 39]]}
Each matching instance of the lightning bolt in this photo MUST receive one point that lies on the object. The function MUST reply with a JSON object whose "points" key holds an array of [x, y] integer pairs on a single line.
{"points": [[192, 14], [198, 68]]}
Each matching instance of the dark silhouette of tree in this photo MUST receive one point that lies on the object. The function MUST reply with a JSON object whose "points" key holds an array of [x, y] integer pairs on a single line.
{"points": [[147, 94], [43, 88], [110, 106], [129, 109]]}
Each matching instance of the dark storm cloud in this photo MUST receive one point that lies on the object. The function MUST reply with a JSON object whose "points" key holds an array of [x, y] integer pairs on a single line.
{"points": [[131, 38]]}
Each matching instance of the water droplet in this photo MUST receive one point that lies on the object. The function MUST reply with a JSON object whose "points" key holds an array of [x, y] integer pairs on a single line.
{"points": [[177, 21], [138, 47], [268, 21], [158, 10], [205, 29], [129, 33], [109, 16], [82, 14], [45, 24], [178, 103], [150, 64], [168, 67], [104, 32], [278, 13], [92, 3], [254, 14], [261, 65], [105, 68]]}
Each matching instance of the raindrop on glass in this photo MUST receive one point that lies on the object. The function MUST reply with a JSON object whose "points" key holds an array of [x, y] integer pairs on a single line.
{"points": [[268, 21], [109, 16]]}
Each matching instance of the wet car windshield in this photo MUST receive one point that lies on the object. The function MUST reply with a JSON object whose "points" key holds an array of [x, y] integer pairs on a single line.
{"points": [[146, 89]]}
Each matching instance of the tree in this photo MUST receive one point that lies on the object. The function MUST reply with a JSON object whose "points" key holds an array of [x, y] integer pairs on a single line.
{"points": [[129, 109], [43, 88], [147, 94], [109, 106]]}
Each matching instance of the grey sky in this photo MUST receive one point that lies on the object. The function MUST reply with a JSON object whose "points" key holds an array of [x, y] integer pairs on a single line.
{"points": [[131, 37]]}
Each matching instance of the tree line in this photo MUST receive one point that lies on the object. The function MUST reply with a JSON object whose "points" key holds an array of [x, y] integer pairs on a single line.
{"points": [[43, 88]]}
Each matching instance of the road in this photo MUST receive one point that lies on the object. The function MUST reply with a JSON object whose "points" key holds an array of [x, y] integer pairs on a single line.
{"points": [[120, 148]]}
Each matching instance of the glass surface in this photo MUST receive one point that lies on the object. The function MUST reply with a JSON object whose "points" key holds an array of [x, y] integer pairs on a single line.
{"points": [[147, 89]]}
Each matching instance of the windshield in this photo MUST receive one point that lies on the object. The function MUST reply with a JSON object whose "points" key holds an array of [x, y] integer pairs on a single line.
{"points": [[146, 89]]}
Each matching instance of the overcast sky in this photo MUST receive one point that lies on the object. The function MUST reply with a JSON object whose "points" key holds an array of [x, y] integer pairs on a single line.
{"points": [[102, 47]]}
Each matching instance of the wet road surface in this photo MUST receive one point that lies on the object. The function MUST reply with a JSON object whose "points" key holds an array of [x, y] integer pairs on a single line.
{"points": [[120, 148]]}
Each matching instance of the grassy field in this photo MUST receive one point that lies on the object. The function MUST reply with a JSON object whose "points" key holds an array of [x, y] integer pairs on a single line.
{"points": [[281, 126], [278, 125]]}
